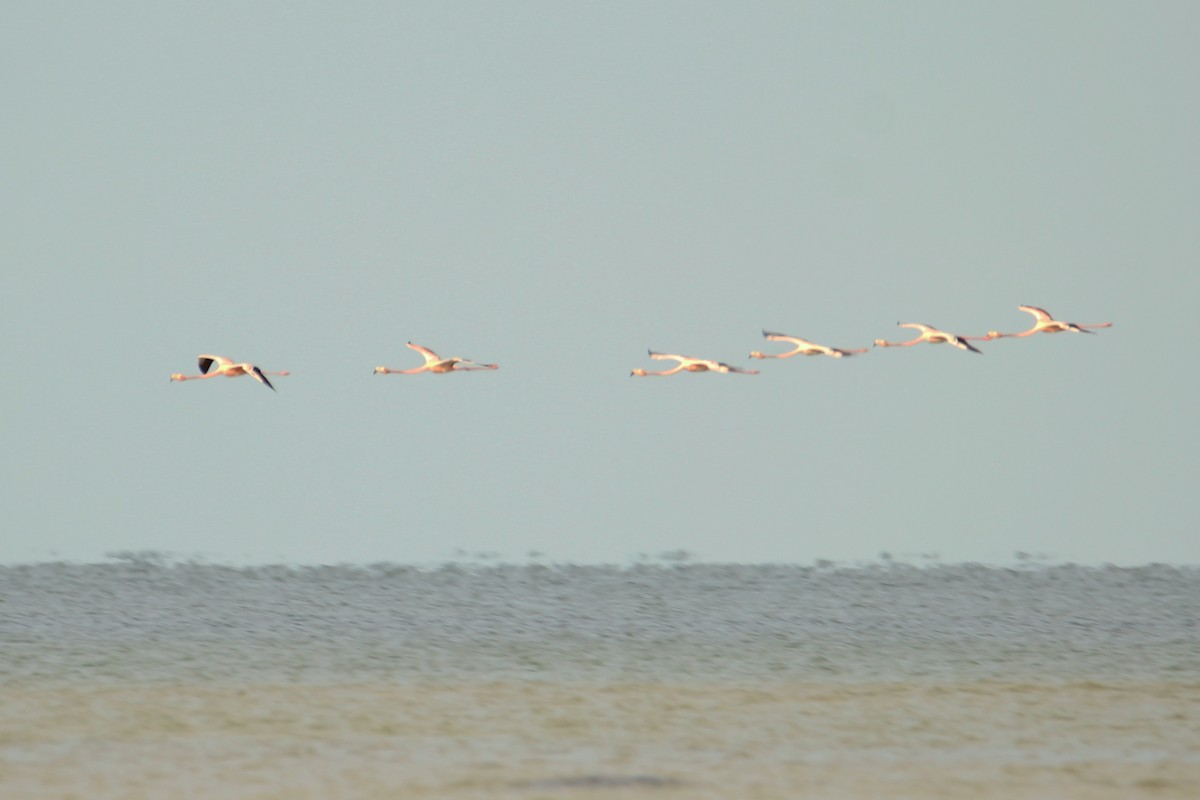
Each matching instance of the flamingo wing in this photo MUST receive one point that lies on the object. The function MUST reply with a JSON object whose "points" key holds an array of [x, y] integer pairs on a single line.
{"points": [[729, 368], [1041, 315], [963, 344], [259, 376], [430, 356], [779, 337], [918, 326], [206, 362]]}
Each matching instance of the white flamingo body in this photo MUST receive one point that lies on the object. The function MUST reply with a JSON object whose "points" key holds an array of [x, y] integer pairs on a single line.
{"points": [[211, 366], [933, 336], [435, 363], [690, 364], [803, 347], [1044, 323]]}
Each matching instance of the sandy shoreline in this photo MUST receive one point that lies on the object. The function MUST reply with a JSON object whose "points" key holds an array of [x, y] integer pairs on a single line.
{"points": [[542, 739]]}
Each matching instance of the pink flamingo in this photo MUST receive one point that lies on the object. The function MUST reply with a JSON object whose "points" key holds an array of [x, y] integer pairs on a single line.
{"points": [[803, 347], [226, 367], [435, 363], [933, 336], [689, 364], [1044, 323]]}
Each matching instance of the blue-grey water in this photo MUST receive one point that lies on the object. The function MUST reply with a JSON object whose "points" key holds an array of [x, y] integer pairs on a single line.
{"points": [[148, 621], [467, 680]]}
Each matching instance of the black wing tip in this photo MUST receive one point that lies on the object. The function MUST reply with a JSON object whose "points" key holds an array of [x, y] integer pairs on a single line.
{"points": [[258, 373]]}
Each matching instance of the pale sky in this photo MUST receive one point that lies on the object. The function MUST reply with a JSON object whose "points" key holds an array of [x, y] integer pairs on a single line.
{"points": [[556, 187]]}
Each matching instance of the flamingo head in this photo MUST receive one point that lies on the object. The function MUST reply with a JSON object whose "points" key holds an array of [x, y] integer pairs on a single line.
{"points": [[638, 372], [880, 343], [381, 370], [993, 335], [757, 354], [178, 376]]}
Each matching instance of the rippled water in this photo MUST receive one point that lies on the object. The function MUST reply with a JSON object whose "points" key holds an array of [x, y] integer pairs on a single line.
{"points": [[145, 621], [146, 679]]}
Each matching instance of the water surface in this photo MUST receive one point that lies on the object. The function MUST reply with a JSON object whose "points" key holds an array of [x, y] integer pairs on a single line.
{"points": [[686, 680]]}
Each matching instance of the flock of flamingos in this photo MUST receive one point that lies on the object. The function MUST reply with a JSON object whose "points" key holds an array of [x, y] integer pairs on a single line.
{"points": [[212, 366]]}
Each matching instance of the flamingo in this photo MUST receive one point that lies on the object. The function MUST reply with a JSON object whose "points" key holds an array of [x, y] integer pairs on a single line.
{"points": [[1044, 323], [803, 347], [435, 363], [689, 364], [933, 336], [226, 367]]}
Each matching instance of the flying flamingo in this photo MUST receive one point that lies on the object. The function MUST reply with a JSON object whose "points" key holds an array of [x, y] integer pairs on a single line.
{"points": [[689, 364], [227, 368], [1044, 323], [933, 336], [803, 347], [435, 363]]}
